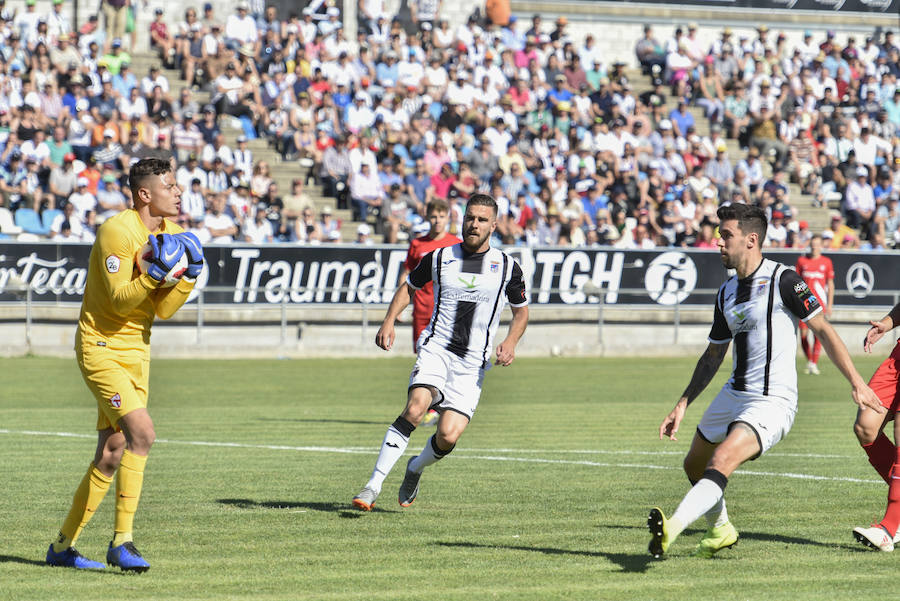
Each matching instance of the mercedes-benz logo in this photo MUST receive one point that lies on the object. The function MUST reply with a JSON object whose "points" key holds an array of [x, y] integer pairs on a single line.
{"points": [[860, 280]]}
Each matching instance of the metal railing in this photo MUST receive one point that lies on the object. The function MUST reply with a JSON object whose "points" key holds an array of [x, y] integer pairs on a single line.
{"points": [[594, 298]]}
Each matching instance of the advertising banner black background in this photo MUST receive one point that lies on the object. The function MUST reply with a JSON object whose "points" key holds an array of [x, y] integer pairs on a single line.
{"points": [[369, 274]]}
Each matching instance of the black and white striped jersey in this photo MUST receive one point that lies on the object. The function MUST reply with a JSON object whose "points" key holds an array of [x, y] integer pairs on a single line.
{"points": [[470, 291], [760, 314]]}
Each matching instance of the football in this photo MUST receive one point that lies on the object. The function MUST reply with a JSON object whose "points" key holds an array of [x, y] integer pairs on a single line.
{"points": [[143, 264]]}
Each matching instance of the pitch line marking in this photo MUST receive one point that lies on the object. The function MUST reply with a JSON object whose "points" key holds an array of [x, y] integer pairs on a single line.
{"points": [[371, 451]]}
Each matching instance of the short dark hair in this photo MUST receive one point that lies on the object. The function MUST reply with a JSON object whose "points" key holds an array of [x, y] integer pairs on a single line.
{"points": [[437, 204], [141, 171], [751, 219], [482, 200]]}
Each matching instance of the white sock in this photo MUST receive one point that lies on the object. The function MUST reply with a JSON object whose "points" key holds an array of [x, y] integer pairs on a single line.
{"points": [[430, 454], [392, 448], [702, 497], [718, 515]]}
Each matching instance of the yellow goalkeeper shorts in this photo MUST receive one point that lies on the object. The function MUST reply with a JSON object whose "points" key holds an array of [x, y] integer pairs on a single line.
{"points": [[118, 378]]}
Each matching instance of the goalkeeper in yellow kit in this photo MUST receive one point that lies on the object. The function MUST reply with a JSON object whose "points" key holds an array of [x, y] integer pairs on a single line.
{"points": [[112, 346]]}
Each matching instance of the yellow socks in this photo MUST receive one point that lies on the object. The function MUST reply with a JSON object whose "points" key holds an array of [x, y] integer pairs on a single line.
{"points": [[87, 499], [129, 479]]}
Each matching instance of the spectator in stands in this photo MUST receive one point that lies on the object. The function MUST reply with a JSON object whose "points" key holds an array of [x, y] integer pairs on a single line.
{"points": [[220, 225], [366, 193], [859, 203], [651, 54], [363, 233]]}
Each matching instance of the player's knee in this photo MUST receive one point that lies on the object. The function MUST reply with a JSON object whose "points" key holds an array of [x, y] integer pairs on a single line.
{"points": [[446, 440], [142, 440], [865, 433]]}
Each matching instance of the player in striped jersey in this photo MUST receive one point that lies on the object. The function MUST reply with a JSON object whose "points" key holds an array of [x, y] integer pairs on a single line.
{"points": [[472, 283], [757, 308]]}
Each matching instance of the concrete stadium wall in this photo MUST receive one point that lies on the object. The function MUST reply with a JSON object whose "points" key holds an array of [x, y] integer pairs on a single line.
{"points": [[553, 331]]}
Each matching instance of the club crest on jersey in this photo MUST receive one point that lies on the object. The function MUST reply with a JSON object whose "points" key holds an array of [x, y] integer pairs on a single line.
{"points": [[112, 264], [495, 266], [115, 400]]}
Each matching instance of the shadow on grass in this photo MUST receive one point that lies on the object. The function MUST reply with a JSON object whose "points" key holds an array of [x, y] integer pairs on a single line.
{"points": [[322, 421], [22, 560], [343, 510], [745, 535], [628, 562]]}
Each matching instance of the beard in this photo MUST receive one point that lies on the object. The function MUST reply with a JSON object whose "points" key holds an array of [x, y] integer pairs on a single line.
{"points": [[476, 243]]}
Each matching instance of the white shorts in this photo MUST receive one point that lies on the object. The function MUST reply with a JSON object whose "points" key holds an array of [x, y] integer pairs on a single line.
{"points": [[458, 383], [770, 417]]}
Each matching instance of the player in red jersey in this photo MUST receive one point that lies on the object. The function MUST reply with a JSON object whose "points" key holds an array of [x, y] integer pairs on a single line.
{"points": [[437, 213], [818, 273], [869, 428]]}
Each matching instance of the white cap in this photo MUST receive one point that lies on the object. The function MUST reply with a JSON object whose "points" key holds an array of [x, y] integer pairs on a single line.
{"points": [[363, 229], [83, 181], [708, 193], [862, 171], [665, 124], [334, 235], [109, 133], [333, 11], [82, 105]]}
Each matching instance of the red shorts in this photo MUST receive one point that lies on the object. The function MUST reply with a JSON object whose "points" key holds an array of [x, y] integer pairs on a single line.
{"points": [[885, 382]]}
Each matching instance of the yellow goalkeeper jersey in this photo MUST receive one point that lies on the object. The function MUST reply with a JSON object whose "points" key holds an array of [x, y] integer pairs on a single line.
{"points": [[119, 302]]}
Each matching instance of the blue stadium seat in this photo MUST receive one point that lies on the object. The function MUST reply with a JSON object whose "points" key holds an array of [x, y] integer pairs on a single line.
{"points": [[48, 216], [30, 222]]}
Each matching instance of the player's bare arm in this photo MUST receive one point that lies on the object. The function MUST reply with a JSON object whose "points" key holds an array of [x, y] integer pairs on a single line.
{"points": [[706, 368], [506, 350], [880, 328], [385, 336], [862, 395], [829, 310]]}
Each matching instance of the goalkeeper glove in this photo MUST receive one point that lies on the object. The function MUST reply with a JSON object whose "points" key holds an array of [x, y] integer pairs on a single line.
{"points": [[165, 253], [194, 251]]}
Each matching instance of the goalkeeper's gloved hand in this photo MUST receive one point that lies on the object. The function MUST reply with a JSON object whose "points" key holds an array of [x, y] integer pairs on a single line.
{"points": [[194, 252], [165, 253]]}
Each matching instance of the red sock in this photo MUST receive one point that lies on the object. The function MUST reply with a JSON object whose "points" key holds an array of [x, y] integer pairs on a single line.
{"points": [[892, 514], [805, 344], [816, 351], [881, 454]]}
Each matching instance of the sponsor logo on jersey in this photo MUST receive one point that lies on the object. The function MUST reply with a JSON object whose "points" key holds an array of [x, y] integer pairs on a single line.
{"points": [[112, 264], [470, 285], [115, 400], [801, 287]]}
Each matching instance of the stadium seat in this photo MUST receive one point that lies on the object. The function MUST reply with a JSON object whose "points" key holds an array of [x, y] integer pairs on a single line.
{"points": [[29, 221], [7, 225], [48, 216]]}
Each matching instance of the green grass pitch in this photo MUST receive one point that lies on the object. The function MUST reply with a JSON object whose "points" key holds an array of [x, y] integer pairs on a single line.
{"points": [[545, 497]]}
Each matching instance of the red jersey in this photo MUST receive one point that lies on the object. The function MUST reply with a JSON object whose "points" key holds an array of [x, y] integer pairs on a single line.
{"points": [[816, 273], [423, 301]]}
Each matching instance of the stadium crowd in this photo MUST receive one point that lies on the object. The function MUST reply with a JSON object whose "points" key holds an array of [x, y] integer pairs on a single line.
{"points": [[399, 116]]}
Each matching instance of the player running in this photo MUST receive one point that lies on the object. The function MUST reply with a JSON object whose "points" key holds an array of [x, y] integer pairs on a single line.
{"points": [[869, 428], [757, 309], [472, 283], [818, 273], [112, 345], [437, 213]]}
